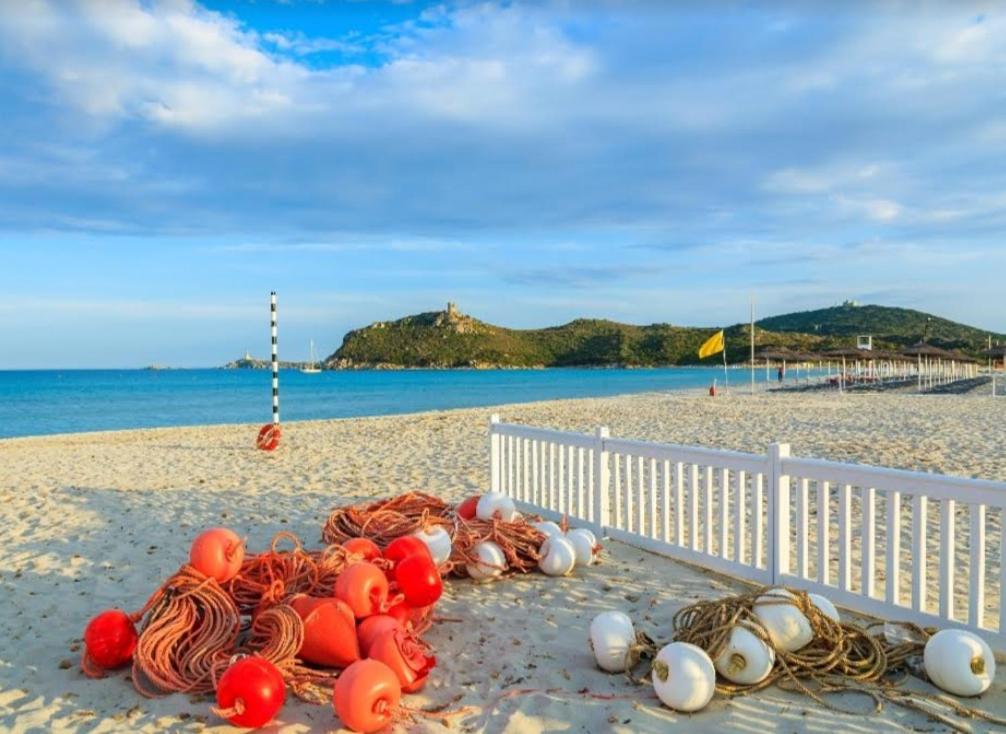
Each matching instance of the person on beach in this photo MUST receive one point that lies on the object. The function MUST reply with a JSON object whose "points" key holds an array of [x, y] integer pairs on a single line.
{"points": [[782, 372]]}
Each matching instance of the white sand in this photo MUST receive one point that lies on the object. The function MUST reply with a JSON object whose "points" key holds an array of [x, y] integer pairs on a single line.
{"points": [[90, 521]]}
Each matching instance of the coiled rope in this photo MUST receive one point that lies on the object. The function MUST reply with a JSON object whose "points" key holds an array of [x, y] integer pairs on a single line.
{"points": [[843, 657], [385, 520]]}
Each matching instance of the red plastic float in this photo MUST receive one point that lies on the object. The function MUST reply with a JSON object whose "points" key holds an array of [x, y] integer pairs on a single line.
{"points": [[407, 545], [466, 510], [110, 639], [218, 553], [406, 655], [364, 587], [329, 631], [372, 627], [268, 437], [419, 580], [366, 696], [250, 692], [363, 547]]}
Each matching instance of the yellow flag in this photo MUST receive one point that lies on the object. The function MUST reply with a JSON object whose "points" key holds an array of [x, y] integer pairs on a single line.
{"points": [[713, 345]]}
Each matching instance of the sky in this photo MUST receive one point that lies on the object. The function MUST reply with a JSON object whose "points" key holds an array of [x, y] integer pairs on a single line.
{"points": [[165, 164]]}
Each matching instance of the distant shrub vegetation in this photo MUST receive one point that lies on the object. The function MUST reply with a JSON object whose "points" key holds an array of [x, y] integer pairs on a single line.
{"points": [[452, 339]]}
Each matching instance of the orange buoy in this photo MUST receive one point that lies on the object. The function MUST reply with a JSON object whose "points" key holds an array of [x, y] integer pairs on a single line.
{"points": [[217, 552], [366, 696], [268, 437], [373, 627], [329, 631], [363, 547], [406, 655], [364, 587]]}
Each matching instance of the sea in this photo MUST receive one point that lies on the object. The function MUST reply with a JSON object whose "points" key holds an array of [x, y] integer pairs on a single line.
{"points": [[39, 402]]}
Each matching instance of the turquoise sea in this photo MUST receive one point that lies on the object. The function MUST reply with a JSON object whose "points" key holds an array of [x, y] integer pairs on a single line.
{"points": [[63, 401]]}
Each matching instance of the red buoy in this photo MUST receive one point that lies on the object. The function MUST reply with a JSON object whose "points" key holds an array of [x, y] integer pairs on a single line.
{"points": [[250, 692], [268, 437]]}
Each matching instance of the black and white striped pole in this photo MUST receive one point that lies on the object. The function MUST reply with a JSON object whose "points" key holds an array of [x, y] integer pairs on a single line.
{"points": [[269, 434]]}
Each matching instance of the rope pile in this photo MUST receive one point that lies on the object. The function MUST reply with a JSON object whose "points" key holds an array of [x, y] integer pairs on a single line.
{"points": [[842, 658], [519, 541], [189, 633], [385, 520], [267, 578], [192, 627]]}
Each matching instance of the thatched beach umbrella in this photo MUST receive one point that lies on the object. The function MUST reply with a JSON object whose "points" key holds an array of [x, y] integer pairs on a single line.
{"points": [[996, 354], [921, 349], [927, 354], [775, 354]]}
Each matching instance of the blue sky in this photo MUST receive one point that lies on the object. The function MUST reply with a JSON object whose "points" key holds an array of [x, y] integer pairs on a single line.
{"points": [[163, 165]]}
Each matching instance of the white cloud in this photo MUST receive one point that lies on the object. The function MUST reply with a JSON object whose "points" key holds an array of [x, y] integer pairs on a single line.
{"points": [[171, 62]]}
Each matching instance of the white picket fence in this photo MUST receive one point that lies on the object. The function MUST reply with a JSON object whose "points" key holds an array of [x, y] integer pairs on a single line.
{"points": [[867, 537]]}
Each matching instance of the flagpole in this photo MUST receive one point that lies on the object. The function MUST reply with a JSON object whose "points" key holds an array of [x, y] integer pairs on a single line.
{"points": [[726, 377], [752, 347]]}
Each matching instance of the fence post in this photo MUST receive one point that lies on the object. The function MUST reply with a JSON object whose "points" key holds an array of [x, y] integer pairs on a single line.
{"points": [[494, 453], [779, 519], [599, 487]]}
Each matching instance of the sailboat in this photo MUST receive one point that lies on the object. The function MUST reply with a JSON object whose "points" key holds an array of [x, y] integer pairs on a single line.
{"points": [[311, 368]]}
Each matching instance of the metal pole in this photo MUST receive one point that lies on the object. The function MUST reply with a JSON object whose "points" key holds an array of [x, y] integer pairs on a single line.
{"points": [[275, 359], [752, 348], [726, 378]]}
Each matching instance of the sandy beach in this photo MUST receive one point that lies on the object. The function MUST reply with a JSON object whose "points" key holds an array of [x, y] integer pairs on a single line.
{"points": [[90, 521]]}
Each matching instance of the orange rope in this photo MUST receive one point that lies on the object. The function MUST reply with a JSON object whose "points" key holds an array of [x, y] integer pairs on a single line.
{"points": [[266, 579], [191, 631], [276, 635], [385, 520]]}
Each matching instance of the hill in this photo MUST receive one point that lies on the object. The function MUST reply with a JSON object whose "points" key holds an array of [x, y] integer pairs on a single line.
{"points": [[449, 338], [892, 327]]}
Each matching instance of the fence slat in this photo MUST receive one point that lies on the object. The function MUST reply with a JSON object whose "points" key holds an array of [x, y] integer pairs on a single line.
{"points": [[551, 469], [824, 533], [803, 529], [976, 571], [1002, 571], [536, 449], [893, 570], [630, 516], [679, 504], [640, 497], [758, 533], [580, 454], [617, 481], [920, 511], [868, 568], [693, 499], [525, 450], [653, 498], [947, 510], [724, 511], [845, 537], [707, 475], [667, 501], [601, 474], [740, 515]]}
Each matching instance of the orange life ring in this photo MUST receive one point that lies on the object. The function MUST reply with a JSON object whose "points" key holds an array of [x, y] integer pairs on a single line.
{"points": [[268, 437]]}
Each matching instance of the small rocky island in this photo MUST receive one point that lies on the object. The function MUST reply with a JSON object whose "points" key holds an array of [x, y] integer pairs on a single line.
{"points": [[249, 362]]}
